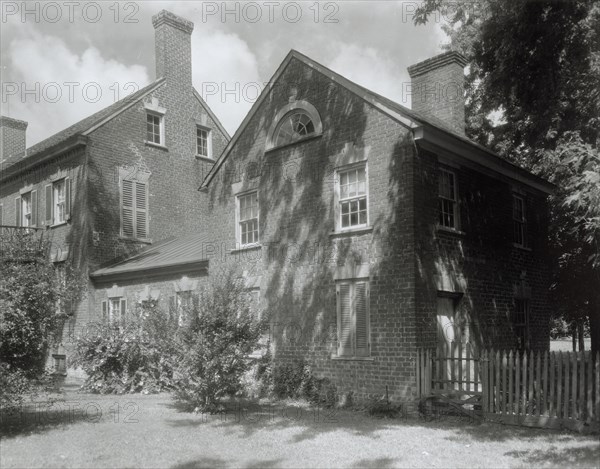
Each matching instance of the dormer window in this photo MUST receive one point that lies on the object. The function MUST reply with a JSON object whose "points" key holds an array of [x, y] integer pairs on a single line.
{"points": [[293, 123]]}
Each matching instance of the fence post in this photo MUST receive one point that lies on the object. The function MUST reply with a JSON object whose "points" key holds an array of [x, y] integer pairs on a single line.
{"points": [[484, 381], [559, 386], [566, 386]]}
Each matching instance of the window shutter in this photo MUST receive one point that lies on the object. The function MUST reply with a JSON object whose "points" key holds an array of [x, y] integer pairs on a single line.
{"points": [[195, 301], [18, 211], [1, 214], [361, 310], [141, 210], [123, 309], [49, 204], [67, 198], [104, 311], [344, 319], [127, 208], [34, 208]]}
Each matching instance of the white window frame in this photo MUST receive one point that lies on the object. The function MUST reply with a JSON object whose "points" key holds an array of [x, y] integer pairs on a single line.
{"points": [[520, 223], [209, 152], [352, 285], [25, 220], [456, 225], [238, 221], [338, 200], [56, 202], [161, 127], [111, 313]]}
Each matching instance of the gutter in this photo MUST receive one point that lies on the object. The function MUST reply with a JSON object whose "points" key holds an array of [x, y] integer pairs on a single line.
{"points": [[29, 162]]}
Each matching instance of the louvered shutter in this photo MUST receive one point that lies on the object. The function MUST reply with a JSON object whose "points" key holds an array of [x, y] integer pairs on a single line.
{"points": [[141, 212], [361, 312], [127, 208], [18, 211], [123, 309], [48, 204], [344, 319], [34, 208], [67, 198], [1, 207], [104, 311]]}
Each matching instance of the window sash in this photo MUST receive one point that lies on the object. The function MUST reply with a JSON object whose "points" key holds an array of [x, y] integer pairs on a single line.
{"points": [[521, 322], [248, 218], [448, 199], [203, 142], [352, 195], [153, 128], [59, 196], [519, 220]]}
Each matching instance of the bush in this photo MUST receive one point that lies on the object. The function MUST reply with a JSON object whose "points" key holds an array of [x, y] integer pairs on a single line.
{"points": [[223, 331], [138, 356], [297, 380]]}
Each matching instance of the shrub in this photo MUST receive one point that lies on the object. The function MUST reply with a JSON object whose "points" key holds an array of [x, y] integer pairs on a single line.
{"points": [[297, 380], [134, 357], [223, 331]]}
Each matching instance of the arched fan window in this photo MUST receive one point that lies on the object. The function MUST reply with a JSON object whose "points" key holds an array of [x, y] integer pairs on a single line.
{"points": [[294, 126], [294, 122]]}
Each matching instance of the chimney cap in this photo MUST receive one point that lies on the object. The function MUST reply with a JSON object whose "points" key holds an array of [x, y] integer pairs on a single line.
{"points": [[6, 121], [436, 62], [166, 17]]}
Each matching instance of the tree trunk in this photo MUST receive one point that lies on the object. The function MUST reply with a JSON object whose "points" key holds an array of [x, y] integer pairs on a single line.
{"points": [[580, 334], [574, 335], [595, 330]]}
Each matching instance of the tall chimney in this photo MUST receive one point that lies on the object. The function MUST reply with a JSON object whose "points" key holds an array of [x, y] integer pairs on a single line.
{"points": [[438, 86], [12, 137], [173, 50]]}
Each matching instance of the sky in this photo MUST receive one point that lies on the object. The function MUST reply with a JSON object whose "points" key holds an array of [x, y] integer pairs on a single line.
{"points": [[62, 61]]}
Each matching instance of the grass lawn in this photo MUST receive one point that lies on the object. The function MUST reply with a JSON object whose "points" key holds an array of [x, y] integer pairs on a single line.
{"points": [[149, 431], [566, 345]]}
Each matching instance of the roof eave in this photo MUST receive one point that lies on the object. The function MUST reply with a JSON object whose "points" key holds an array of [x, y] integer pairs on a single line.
{"points": [[439, 141], [36, 159], [190, 267]]}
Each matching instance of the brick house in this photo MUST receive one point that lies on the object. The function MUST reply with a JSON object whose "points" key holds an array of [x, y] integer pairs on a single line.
{"points": [[366, 230], [103, 188]]}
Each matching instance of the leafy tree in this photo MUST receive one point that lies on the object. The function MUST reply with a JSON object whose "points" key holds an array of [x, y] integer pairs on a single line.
{"points": [[533, 97], [34, 302], [222, 332]]}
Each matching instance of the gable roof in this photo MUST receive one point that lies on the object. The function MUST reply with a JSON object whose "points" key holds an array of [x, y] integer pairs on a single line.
{"points": [[212, 115], [425, 127], [177, 254], [84, 126]]}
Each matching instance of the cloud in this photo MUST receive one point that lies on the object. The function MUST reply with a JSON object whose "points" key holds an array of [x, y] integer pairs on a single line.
{"points": [[53, 87], [225, 73], [371, 69]]}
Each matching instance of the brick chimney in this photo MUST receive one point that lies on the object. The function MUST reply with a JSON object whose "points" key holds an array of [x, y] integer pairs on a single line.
{"points": [[438, 87], [12, 137], [173, 50]]}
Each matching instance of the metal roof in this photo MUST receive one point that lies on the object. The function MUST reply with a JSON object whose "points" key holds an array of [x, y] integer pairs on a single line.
{"points": [[159, 258]]}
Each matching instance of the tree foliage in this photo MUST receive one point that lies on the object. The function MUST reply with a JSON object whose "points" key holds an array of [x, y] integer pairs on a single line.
{"points": [[34, 303], [533, 97], [223, 331]]}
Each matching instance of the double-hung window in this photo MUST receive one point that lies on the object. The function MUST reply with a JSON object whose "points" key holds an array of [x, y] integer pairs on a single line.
{"points": [[353, 318], [352, 197], [155, 128], [114, 310], [58, 201], [134, 209], [519, 221], [203, 142], [26, 219], [247, 219], [448, 199], [26, 209]]}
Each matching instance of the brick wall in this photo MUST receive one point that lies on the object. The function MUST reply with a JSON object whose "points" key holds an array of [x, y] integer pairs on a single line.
{"points": [[299, 255], [12, 137]]}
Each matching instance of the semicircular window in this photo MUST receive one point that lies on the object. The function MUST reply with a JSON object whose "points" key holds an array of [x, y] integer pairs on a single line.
{"points": [[294, 126]]}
